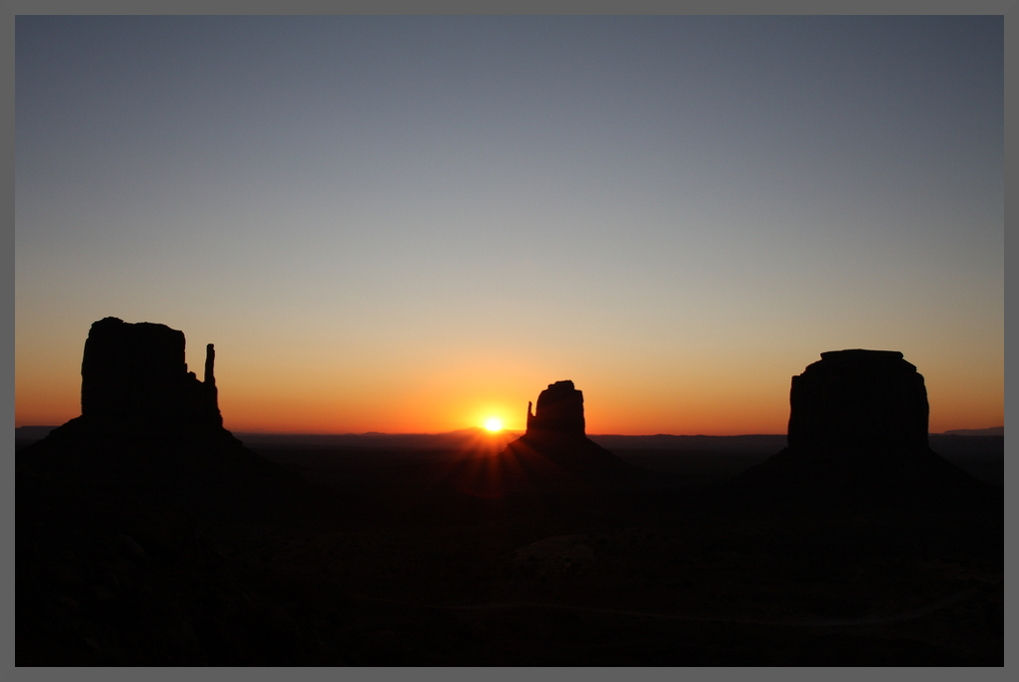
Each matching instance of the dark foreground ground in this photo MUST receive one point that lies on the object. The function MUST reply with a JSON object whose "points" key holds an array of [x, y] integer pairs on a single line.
{"points": [[377, 556]]}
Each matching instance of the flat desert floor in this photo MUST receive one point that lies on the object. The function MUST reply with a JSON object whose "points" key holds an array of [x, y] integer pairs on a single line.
{"points": [[374, 556]]}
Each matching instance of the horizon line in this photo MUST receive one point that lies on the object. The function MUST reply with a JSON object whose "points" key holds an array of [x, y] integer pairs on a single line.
{"points": [[511, 432]]}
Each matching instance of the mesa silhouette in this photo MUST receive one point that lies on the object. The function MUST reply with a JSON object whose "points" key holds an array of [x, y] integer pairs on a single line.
{"points": [[858, 436]]}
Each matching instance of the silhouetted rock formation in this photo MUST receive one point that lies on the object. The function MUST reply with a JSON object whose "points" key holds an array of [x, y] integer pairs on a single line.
{"points": [[134, 376], [858, 400], [132, 480], [144, 412], [144, 462], [560, 410], [555, 454], [858, 436]]}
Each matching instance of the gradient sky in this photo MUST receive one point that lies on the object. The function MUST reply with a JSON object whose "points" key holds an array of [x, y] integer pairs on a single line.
{"points": [[410, 224]]}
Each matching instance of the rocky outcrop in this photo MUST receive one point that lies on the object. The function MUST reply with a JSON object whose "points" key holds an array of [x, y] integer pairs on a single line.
{"points": [[555, 455], [858, 437], [136, 386], [134, 376], [127, 485], [560, 409], [853, 400], [144, 418]]}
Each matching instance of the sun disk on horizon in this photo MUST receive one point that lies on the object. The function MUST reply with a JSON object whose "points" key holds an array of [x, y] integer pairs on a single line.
{"points": [[493, 424]]}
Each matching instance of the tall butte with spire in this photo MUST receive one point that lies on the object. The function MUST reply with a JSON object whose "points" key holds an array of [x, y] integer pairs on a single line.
{"points": [[134, 378], [141, 407]]}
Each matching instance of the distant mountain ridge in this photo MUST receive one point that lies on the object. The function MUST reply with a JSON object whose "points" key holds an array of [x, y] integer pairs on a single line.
{"points": [[660, 441], [32, 432], [993, 431]]}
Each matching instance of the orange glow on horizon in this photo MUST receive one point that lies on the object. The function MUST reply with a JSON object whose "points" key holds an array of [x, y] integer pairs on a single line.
{"points": [[468, 391]]}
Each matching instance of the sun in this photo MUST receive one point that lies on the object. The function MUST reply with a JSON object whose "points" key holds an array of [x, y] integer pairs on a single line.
{"points": [[493, 424]]}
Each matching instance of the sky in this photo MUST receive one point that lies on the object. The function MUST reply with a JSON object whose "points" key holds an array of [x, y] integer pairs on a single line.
{"points": [[412, 224]]}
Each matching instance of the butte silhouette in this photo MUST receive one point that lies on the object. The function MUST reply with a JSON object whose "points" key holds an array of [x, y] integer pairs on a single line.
{"points": [[134, 381], [118, 497], [553, 460], [858, 437], [555, 441], [143, 411]]}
